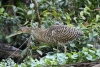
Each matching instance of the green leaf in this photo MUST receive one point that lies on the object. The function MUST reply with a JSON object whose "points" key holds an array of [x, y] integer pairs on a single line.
{"points": [[82, 15], [29, 12], [90, 36], [1, 10], [95, 33], [16, 65], [89, 45], [9, 40], [39, 51], [69, 55], [98, 52], [92, 51], [15, 8], [89, 57], [23, 52], [97, 17], [5, 14], [85, 50], [72, 45], [32, 5], [1, 36], [74, 56]]}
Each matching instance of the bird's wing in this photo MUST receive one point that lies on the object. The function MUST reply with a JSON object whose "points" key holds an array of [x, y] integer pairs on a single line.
{"points": [[63, 33]]}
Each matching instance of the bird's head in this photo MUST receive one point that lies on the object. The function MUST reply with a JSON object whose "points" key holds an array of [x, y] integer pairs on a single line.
{"points": [[25, 29], [20, 31]]}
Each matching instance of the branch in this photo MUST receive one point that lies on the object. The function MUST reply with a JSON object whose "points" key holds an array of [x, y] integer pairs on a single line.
{"points": [[7, 51], [80, 64], [37, 12]]}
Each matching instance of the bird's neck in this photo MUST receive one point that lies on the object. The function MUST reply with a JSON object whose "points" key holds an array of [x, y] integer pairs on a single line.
{"points": [[26, 29], [39, 34]]}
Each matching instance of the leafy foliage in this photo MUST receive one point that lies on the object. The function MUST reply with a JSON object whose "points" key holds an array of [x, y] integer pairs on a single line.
{"points": [[56, 59]]}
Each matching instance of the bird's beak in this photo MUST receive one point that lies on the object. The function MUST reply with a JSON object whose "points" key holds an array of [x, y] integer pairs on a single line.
{"points": [[16, 33]]}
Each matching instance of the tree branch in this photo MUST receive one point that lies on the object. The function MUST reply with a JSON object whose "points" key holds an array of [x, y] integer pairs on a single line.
{"points": [[37, 12]]}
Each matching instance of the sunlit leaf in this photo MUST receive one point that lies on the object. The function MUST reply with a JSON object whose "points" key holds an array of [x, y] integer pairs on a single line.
{"points": [[1, 10], [26, 22], [74, 56], [29, 12], [92, 51], [98, 52], [72, 45], [14, 8], [89, 57], [97, 17], [31, 5], [89, 45], [39, 51], [90, 36]]}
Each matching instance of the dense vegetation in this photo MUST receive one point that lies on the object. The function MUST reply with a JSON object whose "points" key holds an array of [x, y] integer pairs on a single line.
{"points": [[81, 14]]}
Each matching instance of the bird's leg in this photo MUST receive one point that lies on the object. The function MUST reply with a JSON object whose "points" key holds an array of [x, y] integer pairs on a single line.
{"points": [[65, 48], [57, 48]]}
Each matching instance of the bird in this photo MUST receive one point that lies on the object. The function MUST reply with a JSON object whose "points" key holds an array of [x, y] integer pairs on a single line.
{"points": [[55, 34]]}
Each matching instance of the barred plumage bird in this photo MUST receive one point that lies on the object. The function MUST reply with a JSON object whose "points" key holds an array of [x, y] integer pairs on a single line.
{"points": [[56, 34]]}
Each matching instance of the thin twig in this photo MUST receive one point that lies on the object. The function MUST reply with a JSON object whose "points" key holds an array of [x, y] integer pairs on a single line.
{"points": [[29, 40], [18, 48], [37, 12], [27, 47]]}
